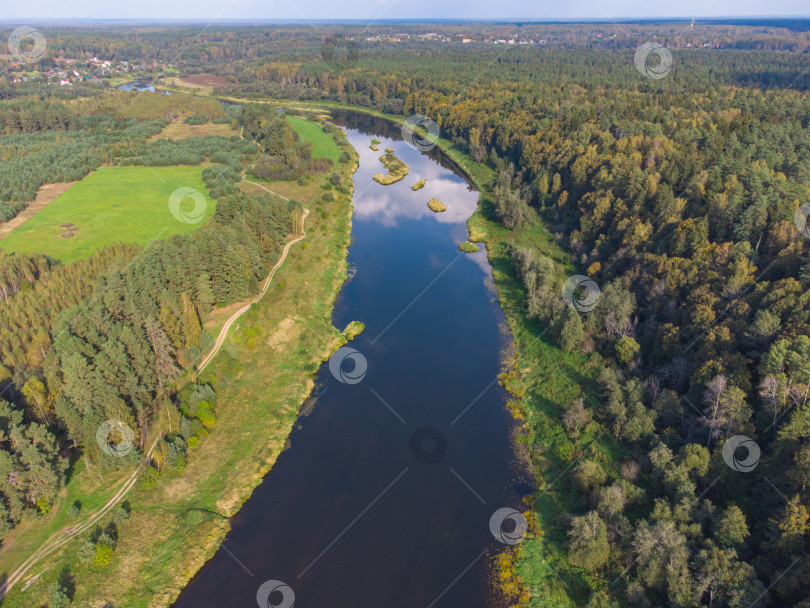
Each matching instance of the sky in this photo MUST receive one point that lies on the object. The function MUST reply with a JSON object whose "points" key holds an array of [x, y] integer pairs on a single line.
{"points": [[367, 10]]}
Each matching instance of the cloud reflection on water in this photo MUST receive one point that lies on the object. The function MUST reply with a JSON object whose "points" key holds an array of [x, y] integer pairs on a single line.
{"points": [[388, 204]]}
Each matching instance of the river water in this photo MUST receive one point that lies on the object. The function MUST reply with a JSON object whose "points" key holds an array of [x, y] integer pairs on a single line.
{"points": [[384, 497]]}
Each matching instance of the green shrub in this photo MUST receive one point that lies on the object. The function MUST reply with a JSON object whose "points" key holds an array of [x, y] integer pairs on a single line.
{"points": [[43, 505], [74, 510], [195, 120], [57, 597], [207, 418], [104, 554], [626, 349], [86, 552], [148, 478], [122, 513]]}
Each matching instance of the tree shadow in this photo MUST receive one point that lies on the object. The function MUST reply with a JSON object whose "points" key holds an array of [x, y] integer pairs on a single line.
{"points": [[71, 468], [67, 582]]}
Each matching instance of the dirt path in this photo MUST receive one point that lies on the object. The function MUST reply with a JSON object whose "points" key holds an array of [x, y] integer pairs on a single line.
{"points": [[258, 185], [224, 331], [45, 196], [62, 537]]}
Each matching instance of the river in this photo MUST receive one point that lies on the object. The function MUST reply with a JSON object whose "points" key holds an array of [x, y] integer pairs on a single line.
{"points": [[384, 497]]}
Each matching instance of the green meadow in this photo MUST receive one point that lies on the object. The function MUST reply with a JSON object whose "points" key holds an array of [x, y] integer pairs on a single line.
{"points": [[113, 204], [323, 144]]}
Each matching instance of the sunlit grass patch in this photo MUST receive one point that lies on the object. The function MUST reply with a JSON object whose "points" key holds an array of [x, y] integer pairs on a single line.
{"points": [[111, 205], [323, 145]]}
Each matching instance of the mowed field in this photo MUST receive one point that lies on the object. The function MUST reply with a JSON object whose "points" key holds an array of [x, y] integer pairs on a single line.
{"points": [[322, 143], [113, 204], [180, 130]]}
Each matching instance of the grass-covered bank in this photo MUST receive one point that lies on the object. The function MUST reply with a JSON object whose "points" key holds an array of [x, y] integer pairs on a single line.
{"points": [[262, 376], [543, 380]]}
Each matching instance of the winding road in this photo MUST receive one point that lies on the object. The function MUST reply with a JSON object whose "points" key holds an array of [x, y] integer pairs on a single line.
{"points": [[62, 537], [223, 334]]}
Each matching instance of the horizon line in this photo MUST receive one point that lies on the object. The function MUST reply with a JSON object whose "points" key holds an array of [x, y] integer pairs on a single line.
{"points": [[403, 20]]}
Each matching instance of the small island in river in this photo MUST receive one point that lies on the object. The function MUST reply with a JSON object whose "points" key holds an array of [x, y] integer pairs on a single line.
{"points": [[436, 205], [397, 170]]}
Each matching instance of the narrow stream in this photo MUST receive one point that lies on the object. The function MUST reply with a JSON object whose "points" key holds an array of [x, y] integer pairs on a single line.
{"points": [[384, 498]]}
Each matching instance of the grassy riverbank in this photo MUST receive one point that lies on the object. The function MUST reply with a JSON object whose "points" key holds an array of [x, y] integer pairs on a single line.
{"points": [[543, 380], [177, 524]]}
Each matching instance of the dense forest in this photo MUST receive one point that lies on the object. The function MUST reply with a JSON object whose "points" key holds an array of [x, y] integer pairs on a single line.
{"points": [[117, 354], [677, 197], [106, 337]]}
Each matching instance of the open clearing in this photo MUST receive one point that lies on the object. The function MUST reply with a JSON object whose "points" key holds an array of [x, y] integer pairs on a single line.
{"points": [[204, 80], [113, 204], [46, 195], [287, 189], [322, 143], [205, 83], [180, 130]]}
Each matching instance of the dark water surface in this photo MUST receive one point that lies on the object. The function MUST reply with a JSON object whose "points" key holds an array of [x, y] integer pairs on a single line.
{"points": [[366, 509]]}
